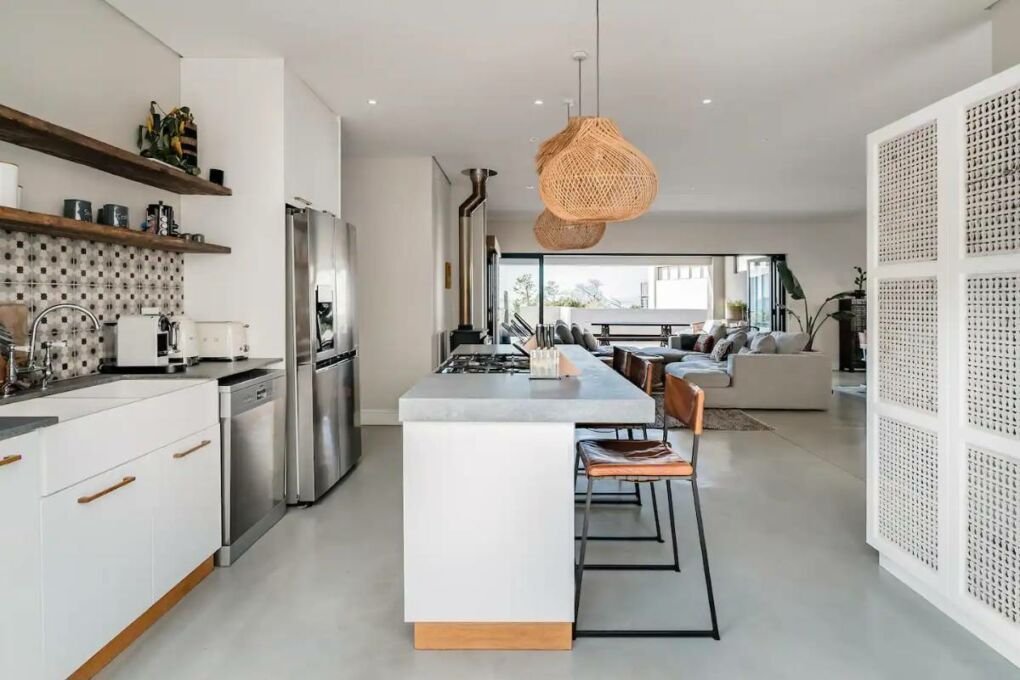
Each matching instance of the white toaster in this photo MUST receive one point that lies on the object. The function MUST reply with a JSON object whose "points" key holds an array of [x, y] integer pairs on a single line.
{"points": [[222, 340]]}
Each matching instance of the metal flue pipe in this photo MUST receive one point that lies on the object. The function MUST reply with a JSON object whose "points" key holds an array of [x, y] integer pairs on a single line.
{"points": [[467, 270]]}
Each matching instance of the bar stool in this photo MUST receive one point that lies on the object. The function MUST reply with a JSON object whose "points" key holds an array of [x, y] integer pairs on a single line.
{"points": [[621, 364], [647, 461]]}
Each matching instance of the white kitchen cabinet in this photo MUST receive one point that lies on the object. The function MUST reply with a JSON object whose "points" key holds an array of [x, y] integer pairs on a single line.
{"points": [[20, 580], [97, 562], [187, 512], [311, 147]]}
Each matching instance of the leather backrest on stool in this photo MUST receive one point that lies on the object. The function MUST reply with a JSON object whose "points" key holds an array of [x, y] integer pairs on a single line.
{"points": [[641, 372], [685, 402], [621, 359]]}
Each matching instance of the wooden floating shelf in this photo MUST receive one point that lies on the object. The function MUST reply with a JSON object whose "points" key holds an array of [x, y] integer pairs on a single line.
{"points": [[53, 225], [35, 133]]}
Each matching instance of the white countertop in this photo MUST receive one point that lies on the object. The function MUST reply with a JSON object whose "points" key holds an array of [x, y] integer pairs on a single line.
{"points": [[598, 395], [89, 400]]}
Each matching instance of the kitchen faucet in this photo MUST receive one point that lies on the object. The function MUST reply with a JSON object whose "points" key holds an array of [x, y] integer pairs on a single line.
{"points": [[11, 383]]}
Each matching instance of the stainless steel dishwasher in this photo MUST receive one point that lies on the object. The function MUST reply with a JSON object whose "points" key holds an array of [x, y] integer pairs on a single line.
{"points": [[253, 429]]}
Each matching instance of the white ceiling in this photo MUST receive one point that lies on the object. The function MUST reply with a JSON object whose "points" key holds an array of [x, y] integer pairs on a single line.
{"points": [[795, 84]]}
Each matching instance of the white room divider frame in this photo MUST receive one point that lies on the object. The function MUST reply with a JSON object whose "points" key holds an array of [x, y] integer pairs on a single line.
{"points": [[944, 356]]}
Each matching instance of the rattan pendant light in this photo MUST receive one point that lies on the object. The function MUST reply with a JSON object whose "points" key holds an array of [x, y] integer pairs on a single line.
{"points": [[598, 175], [552, 232]]}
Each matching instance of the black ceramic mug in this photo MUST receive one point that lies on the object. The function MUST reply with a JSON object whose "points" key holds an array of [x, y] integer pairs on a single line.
{"points": [[78, 209]]}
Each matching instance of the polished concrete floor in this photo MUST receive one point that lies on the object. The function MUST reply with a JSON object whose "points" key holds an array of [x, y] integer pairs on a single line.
{"points": [[799, 593]]}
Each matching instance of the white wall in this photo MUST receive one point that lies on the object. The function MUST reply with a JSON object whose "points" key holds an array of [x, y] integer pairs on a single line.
{"points": [[821, 250], [1005, 34], [242, 126], [390, 201], [82, 65]]}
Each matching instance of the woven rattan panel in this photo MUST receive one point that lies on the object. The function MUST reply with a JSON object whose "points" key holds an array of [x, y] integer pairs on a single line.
{"points": [[908, 197], [908, 343], [993, 353], [908, 487], [993, 531], [993, 175]]}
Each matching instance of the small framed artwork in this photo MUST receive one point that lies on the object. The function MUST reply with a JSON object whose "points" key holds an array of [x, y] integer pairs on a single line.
{"points": [[449, 276]]}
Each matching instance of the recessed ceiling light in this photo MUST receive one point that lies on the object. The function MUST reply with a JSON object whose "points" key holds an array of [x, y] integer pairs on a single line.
{"points": [[532, 139], [372, 102], [539, 102], [706, 101], [530, 186]]}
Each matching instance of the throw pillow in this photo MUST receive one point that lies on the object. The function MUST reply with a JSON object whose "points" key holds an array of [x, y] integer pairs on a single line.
{"points": [[577, 334], [722, 349], [714, 327], [739, 340], [686, 341], [563, 333], [705, 343], [790, 343], [590, 342], [745, 350], [764, 343]]}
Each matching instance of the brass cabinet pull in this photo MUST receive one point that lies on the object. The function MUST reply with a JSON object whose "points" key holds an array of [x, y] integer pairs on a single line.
{"points": [[122, 483], [7, 460], [182, 454]]}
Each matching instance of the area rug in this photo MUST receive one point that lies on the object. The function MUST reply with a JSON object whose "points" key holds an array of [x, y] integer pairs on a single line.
{"points": [[732, 419]]}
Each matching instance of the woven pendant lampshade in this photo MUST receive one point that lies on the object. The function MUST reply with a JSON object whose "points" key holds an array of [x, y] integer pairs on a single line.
{"points": [[548, 149], [598, 177], [552, 233]]}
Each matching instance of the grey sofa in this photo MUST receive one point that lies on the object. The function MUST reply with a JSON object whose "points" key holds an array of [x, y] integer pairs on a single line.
{"points": [[790, 380]]}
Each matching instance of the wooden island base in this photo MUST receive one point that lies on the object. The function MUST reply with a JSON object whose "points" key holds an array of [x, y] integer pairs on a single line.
{"points": [[124, 639], [519, 636]]}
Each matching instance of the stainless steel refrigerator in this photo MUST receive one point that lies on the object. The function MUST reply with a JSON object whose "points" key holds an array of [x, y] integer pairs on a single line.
{"points": [[322, 354]]}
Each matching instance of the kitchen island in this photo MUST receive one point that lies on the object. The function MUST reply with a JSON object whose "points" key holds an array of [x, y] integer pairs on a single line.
{"points": [[488, 480]]}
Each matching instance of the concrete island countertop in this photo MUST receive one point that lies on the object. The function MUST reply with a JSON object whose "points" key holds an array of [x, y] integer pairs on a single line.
{"points": [[598, 395]]}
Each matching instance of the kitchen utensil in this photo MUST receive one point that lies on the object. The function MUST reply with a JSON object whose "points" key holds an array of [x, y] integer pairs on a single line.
{"points": [[9, 185], [78, 209], [114, 215]]}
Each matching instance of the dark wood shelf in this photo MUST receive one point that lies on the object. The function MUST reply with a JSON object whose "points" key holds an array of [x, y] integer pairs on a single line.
{"points": [[34, 133], [40, 223]]}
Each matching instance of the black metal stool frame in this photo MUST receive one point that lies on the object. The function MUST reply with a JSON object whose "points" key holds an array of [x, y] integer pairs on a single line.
{"points": [[581, 566]]}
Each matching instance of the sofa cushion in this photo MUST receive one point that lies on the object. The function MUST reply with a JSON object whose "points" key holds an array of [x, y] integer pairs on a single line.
{"points": [[715, 327], [705, 343], [563, 333], [763, 343], [739, 340], [577, 334], [700, 374], [668, 354], [722, 349], [684, 341], [790, 343], [590, 342]]}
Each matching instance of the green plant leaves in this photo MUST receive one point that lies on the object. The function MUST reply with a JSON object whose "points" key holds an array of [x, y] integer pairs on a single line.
{"points": [[790, 282]]}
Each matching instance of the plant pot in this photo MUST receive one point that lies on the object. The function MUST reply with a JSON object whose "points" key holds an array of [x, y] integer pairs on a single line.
{"points": [[859, 294]]}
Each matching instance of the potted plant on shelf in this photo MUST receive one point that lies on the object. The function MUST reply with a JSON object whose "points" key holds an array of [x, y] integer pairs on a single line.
{"points": [[736, 310], [810, 324], [170, 138], [861, 280]]}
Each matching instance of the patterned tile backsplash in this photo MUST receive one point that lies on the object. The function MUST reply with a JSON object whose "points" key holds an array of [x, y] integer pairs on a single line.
{"points": [[39, 271]]}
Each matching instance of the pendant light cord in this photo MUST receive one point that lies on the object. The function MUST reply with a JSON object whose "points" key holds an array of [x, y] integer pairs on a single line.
{"points": [[598, 74], [580, 105]]}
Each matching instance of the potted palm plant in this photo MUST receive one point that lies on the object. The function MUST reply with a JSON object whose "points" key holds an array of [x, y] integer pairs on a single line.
{"points": [[810, 324]]}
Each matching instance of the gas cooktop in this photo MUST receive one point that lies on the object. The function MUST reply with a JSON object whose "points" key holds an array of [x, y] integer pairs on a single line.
{"points": [[485, 363]]}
